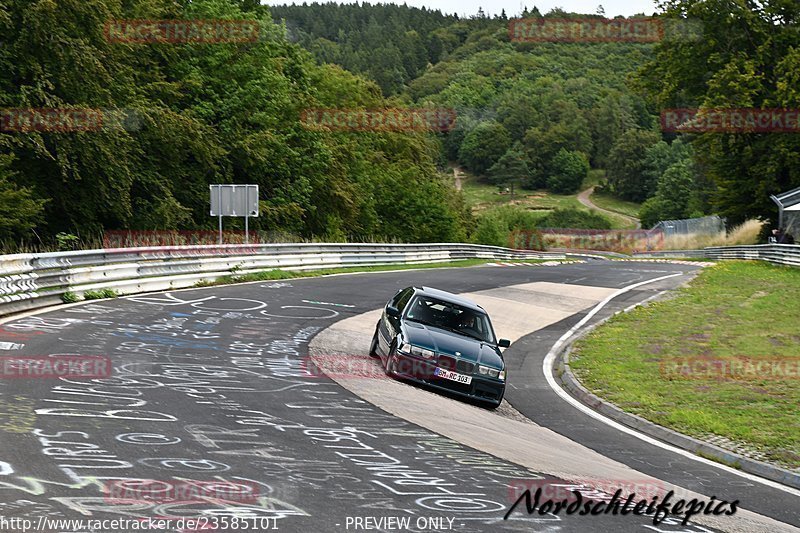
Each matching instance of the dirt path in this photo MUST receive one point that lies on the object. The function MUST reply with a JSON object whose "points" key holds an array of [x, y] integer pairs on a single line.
{"points": [[585, 199]]}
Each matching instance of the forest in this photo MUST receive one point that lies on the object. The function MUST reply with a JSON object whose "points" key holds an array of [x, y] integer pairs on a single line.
{"points": [[532, 115]]}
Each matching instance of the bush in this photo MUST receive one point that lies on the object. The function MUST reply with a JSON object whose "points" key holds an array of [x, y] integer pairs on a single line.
{"points": [[99, 295], [491, 230], [569, 170], [70, 297], [495, 227], [676, 196], [66, 242], [746, 233]]}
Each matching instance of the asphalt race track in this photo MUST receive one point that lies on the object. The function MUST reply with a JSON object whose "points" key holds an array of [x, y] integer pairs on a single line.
{"points": [[213, 385]]}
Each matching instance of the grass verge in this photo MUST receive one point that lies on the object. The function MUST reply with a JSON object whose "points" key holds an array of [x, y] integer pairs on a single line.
{"points": [[732, 313], [612, 203], [481, 195], [277, 274]]}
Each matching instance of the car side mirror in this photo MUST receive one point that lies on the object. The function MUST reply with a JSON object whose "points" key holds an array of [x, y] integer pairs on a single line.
{"points": [[392, 311], [504, 343]]}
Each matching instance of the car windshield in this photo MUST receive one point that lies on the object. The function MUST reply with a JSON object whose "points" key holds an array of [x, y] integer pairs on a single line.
{"points": [[452, 317]]}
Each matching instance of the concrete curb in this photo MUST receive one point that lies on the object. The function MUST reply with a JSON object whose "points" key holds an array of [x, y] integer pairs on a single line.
{"points": [[564, 375]]}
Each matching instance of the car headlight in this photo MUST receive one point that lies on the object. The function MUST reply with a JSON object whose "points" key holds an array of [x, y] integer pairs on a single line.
{"points": [[422, 352], [492, 372], [410, 349]]}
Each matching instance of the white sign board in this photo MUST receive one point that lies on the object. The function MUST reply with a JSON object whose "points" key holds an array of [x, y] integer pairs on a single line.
{"points": [[234, 200]]}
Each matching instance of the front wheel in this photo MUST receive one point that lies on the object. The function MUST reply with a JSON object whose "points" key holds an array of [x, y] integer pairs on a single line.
{"points": [[388, 368], [492, 405], [373, 347]]}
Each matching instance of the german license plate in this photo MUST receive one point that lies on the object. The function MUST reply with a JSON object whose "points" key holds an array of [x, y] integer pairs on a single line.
{"points": [[452, 376]]}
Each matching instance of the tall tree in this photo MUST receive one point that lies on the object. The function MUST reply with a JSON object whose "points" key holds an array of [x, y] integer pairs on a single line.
{"points": [[627, 166], [746, 56], [484, 146]]}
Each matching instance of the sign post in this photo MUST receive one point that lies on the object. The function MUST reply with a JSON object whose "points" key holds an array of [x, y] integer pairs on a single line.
{"points": [[219, 193], [247, 216], [234, 201]]}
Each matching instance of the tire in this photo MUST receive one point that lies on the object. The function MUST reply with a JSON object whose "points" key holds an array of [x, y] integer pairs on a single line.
{"points": [[491, 406], [373, 348], [388, 368]]}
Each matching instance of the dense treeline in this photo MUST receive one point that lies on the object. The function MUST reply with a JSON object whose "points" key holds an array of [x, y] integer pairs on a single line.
{"points": [[529, 113], [391, 44], [536, 115], [748, 57], [204, 113]]}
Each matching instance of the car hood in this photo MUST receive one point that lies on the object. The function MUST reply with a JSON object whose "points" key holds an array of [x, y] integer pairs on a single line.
{"points": [[446, 342]]}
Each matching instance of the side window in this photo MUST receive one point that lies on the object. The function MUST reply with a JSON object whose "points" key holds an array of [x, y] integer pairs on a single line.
{"points": [[396, 298], [395, 301], [404, 298]]}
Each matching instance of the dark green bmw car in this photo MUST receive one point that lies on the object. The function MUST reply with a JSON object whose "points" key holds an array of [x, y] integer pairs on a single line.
{"points": [[443, 341]]}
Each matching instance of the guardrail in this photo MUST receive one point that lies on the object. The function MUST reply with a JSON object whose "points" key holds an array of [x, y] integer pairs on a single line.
{"points": [[779, 254], [32, 281]]}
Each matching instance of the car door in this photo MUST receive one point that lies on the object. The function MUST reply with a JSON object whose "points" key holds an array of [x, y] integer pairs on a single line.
{"points": [[389, 326]]}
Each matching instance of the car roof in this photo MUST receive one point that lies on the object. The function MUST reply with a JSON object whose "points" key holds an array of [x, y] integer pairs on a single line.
{"points": [[449, 297]]}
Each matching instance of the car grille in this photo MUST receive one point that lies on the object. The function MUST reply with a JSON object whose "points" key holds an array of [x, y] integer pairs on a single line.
{"points": [[446, 362], [458, 365], [465, 366]]}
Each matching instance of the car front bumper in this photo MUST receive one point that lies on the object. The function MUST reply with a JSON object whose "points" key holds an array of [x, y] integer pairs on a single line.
{"points": [[420, 371]]}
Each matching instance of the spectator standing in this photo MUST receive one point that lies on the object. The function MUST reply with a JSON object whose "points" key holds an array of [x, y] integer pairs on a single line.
{"points": [[773, 239]]}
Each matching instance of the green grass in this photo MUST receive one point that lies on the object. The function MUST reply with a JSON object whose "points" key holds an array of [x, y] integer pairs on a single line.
{"points": [[483, 197], [732, 309], [612, 203], [277, 274]]}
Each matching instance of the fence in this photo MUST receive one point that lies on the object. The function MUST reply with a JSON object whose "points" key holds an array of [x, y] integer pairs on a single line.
{"points": [[711, 225], [31, 281], [619, 241]]}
